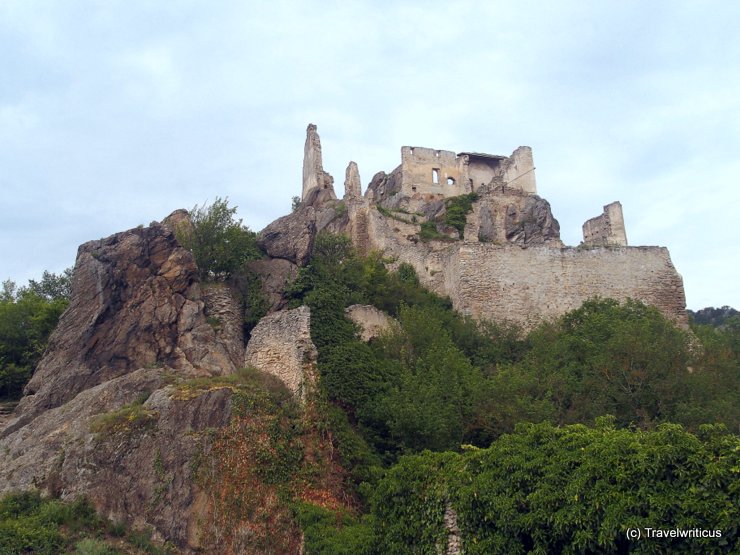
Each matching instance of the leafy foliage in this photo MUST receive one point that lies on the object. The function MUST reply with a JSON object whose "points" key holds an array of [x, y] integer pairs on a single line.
{"points": [[219, 242], [576, 489], [27, 317], [457, 211]]}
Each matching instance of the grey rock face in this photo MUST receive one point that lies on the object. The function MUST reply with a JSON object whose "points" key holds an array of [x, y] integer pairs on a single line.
{"points": [[136, 471], [135, 303], [352, 186], [290, 237], [531, 222], [275, 274]]}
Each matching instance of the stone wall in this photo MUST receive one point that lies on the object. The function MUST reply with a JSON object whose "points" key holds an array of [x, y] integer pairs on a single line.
{"points": [[527, 284], [225, 314], [518, 170], [606, 229], [281, 345], [418, 167]]}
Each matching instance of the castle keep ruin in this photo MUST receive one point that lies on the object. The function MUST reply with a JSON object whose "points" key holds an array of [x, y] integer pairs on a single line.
{"points": [[510, 263]]}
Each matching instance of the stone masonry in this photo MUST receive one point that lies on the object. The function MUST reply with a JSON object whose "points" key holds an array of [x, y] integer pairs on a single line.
{"points": [[281, 345], [607, 229]]}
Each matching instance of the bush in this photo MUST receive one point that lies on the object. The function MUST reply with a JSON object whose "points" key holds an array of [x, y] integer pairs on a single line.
{"points": [[219, 242], [566, 490], [26, 322]]}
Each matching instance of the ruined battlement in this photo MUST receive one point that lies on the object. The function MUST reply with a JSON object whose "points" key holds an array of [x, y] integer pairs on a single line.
{"points": [[606, 229]]}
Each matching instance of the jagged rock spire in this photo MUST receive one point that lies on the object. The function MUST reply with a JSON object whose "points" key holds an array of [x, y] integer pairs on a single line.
{"points": [[352, 186]]}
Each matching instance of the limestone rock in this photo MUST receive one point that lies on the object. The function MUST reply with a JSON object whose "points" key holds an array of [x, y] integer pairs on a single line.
{"points": [[135, 303], [290, 237], [487, 225], [352, 185], [281, 345], [275, 274], [372, 322]]}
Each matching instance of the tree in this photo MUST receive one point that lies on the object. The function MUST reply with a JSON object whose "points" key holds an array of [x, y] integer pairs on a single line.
{"points": [[220, 243]]}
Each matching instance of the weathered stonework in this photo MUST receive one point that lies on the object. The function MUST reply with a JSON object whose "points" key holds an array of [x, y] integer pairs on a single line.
{"points": [[281, 345], [426, 172], [607, 229], [225, 314], [527, 284]]}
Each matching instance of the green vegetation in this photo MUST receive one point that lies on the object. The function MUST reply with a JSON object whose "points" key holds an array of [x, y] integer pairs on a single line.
{"points": [[440, 381], [717, 317], [443, 413], [131, 417], [220, 243], [28, 315], [455, 215], [457, 211], [30, 523], [576, 489]]}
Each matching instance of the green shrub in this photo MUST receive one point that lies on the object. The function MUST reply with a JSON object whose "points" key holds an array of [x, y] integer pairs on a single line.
{"points": [[333, 533], [566, 490], [456, 214], [219, 242]]}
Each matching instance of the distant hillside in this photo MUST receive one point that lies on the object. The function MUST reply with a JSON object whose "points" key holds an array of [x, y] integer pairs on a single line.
{"points": [[716, 317]]}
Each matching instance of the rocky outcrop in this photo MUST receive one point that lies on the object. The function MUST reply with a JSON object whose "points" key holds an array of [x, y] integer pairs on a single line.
{"points": [[385, 189], [135, 303], [281, 345], [275, 275], [352, 186], [290, 237], [135, 461], [178, 222], [371, 321], [315, 180], [511, 216]]}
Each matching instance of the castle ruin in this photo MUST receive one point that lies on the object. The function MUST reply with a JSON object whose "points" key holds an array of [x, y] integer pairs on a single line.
{"points": [[509, 262]]}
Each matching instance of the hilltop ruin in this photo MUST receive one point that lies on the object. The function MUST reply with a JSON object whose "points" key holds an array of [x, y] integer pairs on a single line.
{"points": [[508, 263]]}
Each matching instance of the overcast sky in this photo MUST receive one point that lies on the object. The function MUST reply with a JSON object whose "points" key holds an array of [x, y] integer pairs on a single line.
{"points": [[115, 113]]}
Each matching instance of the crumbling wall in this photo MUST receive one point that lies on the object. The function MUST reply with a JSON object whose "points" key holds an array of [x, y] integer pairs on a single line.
{"points": [[225, 314], [421, 167], [372, 322], [606, 229], [539, 283], [528, 284], [518, 170], [281, 345]]}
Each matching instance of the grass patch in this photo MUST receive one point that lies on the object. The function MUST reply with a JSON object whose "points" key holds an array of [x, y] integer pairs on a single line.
{"points": [[429, 232], [134, 416], [393, 215]]}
